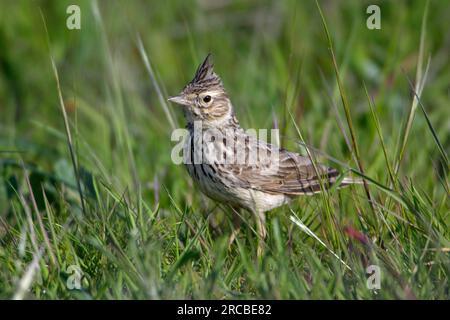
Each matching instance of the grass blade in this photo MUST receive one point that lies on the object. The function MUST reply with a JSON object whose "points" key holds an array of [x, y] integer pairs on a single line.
{"points": [[65, 118], [308, 231], [420, 82], [151, 74], [346, 109]]}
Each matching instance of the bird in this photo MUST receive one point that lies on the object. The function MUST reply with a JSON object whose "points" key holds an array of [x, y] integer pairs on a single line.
{"points": [[233, 167]]}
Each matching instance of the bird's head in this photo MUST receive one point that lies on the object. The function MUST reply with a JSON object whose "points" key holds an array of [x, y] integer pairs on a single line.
{"points": [[204, 98]]}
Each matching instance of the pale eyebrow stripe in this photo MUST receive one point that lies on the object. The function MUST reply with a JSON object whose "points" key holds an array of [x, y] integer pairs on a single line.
{"points": [[213, 93]]}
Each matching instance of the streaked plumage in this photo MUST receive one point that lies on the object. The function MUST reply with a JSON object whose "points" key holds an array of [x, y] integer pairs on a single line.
{"points": [[274, 178]]}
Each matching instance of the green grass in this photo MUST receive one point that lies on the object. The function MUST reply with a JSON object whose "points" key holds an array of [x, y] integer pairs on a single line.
{"points": [[86, 177]]}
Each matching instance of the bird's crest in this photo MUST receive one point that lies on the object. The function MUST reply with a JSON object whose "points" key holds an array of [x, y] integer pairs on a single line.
{"points": [[205, 70], [205, 75]]}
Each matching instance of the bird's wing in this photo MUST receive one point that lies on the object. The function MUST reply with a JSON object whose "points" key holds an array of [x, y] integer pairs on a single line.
{"points": [[280, 171]]}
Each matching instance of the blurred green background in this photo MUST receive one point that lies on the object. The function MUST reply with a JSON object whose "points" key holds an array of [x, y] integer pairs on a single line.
{"points": [[274, 59]]}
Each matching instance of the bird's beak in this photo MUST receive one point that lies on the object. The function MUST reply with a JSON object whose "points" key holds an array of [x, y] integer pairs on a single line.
{"points": [[179, 100]]}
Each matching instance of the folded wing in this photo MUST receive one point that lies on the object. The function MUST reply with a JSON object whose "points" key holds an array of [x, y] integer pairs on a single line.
{"points": [[280, 171]]}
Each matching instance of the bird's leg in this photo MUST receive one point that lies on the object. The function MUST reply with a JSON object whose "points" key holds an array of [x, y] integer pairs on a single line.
{"points": [[237, 221], [262, 233]]}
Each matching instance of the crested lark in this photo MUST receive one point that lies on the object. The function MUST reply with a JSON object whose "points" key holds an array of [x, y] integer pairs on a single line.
{"points": [[234, 167]]}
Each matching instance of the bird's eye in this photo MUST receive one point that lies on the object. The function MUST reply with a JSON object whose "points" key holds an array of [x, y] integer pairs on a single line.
{"points": [[207, 99]]}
